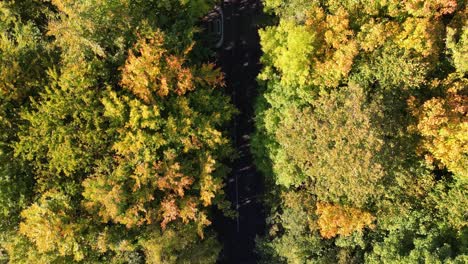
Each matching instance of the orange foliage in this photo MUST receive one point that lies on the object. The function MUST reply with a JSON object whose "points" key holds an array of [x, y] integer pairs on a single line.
{"points": [[169, 211], [153, 71], [172, 179]]}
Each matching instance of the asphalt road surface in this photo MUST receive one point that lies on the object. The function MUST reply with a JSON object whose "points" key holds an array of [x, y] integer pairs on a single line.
{"points": [[239, 59]]}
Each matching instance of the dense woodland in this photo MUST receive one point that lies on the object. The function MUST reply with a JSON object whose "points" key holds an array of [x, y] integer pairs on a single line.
{"points": [[114, 142], [363, 131], [112, 135]]}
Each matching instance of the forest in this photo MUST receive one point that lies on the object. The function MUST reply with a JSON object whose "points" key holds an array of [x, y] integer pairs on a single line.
{"points": [[116, 127], [362, 131]]}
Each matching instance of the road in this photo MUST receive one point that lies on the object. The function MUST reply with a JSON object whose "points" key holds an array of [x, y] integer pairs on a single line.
{"points": [[239, 59]]}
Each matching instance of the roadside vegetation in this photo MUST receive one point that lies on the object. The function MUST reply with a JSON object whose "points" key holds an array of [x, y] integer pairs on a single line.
{"points": [[362, 131]]}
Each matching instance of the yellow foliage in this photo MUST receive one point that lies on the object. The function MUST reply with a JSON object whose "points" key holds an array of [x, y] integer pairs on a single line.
{"points": [[210, 75], [102, 197], [374, 34], [341, 220], [47, 223], [202, 223], [443, 122], [422, 35], [457, 41], [338, 48], [102, 242], [106, 195], [189, 210], [283, 43], [209, 185]]}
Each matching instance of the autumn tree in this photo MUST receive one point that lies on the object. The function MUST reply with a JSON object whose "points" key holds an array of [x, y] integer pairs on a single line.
{"points": [[443, 122]]}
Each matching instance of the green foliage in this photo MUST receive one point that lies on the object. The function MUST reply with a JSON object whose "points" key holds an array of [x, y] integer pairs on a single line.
{"points": [[23, 56], [294, 9], [434, 232], [23, 60], [64, 134], [457, 38], [299, 241], [180, 245], [337, 153]]}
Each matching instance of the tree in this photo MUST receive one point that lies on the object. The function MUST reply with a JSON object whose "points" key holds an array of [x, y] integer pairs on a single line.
{"points": [[332, 146], [338, 220], [434, 231], [324, 41], [443, 122]]}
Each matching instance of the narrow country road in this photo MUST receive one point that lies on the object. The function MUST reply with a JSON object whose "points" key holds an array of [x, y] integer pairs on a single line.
{"points": [[239, 59]]}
